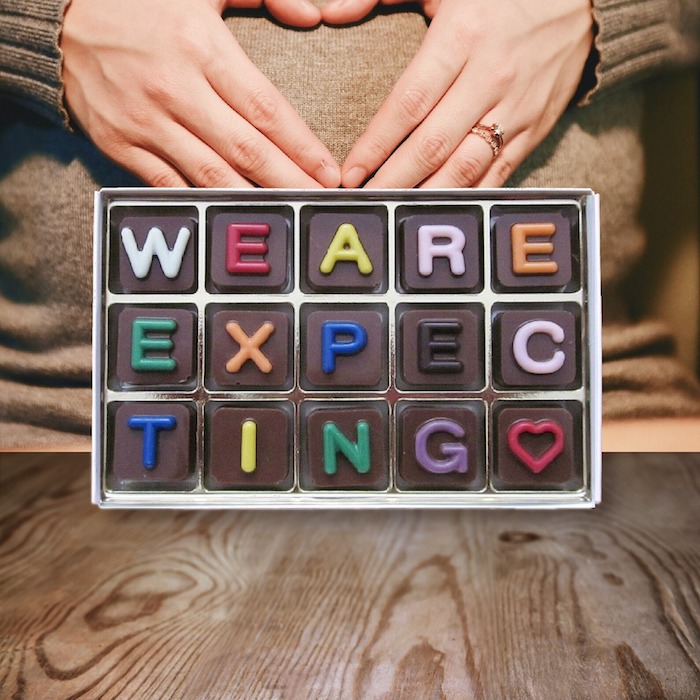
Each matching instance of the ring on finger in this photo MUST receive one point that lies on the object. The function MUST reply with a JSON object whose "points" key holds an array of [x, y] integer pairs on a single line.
{"points": [[493, 135]]}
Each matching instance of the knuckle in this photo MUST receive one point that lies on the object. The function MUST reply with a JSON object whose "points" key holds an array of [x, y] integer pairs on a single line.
{"points": [[248, 155], [299, 152], [210, 174], [502, 169], [502, 77], [159, 87], [164, 178], [414, 103], [378, 150], [103, 135], [138, 119], [192, 42], [470, 33], [466, 169], [260, 108], [433, 150]]}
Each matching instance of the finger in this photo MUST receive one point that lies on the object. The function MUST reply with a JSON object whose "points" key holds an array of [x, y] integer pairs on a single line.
{"points": [[296, 13], [434, 141], [426, 79], [430, 7], [150, 168], [510, 158], [346, 11], [194, 159], [257, 101], [246, 149], [240, 4], [467, 164]]}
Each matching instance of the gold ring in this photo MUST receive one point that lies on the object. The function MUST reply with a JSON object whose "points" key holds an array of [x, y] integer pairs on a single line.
{"points": [[493, 135]]}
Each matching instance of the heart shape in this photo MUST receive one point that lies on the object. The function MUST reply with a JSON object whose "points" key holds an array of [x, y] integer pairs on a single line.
{"points": [[535, 464]]}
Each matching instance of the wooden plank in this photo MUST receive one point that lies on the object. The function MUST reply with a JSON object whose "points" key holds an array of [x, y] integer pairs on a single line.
{"points": [[602, 604]]}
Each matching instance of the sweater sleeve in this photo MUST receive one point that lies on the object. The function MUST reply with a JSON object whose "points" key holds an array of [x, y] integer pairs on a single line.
{"points": [[638, 38], [30, 56]]}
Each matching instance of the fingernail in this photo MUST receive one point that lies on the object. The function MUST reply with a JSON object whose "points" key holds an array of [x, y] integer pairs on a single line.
{"points": [[355, 176], [328, 175]]}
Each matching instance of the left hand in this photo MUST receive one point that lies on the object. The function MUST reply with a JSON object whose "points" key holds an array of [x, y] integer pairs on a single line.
{"points": [[516, 63]]}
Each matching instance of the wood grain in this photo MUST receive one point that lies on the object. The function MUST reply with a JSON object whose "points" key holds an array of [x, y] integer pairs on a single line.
{"points": [[217, 604]]}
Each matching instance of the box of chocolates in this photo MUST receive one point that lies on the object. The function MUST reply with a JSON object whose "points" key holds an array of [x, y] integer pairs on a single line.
{"points": [[346, 348]]}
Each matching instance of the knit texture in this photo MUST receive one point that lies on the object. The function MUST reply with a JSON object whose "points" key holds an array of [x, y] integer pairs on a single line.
{"points": [[636, 38], [30, 57]]}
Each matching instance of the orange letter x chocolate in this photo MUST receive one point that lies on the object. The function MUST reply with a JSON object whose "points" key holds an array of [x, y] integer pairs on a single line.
{"points": [[250, 347]]}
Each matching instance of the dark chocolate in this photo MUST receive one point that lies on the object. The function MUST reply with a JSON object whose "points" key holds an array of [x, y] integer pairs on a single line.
{"points": [[363, 229], [249, 347], [271, 436], [249, 249], [442, 277], [334, 351], [560, 246], [165, 229], [345, 445], [152, 443], [155, 347], [441, 445], [440, 346], [537, 346], [537, 446]]}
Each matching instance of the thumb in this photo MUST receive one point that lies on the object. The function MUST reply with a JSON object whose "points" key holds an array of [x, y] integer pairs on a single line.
{"points": [[296, 13]]}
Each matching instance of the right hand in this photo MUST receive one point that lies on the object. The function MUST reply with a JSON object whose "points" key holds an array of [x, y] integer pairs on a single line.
{"points": [[163, 88]]}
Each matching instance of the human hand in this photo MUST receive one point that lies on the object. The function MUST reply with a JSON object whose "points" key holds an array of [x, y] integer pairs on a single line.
{"points": [[164, 89], [516, 63]]}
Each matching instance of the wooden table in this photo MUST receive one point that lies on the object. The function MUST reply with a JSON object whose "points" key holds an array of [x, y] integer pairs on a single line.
{"points": [[416, 604]]}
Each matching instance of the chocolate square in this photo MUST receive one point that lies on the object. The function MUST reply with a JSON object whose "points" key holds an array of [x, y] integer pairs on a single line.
{"points": [[537, 446], [537, 346], [155, 347], [152, 445], [249, 249], [345, 445], [250, 445], [455, 235], [536, 248], [170, 233], [360, 234], [331, 335], [249, 347], [440, 346], [441, 445]]}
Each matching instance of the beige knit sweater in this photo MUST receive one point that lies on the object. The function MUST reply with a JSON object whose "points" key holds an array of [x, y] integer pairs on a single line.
{"points": [[48, 175]]}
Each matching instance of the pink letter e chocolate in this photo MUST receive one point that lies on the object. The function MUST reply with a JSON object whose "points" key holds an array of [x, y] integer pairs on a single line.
{"points": [[346, 348]]}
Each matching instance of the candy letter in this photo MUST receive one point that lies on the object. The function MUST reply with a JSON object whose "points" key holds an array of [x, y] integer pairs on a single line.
{"points": [[438, 346], [151, 425], [155, 246], [142, 343], [346, 246], [249, 434], [332, 345], [237, 247], [250, 347], [523, 247], [455, 457], [358, 454], [429, 248], [520, 351]]}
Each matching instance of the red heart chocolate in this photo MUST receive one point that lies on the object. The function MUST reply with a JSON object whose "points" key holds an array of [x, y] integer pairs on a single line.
{"points": [[536, 463]]}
